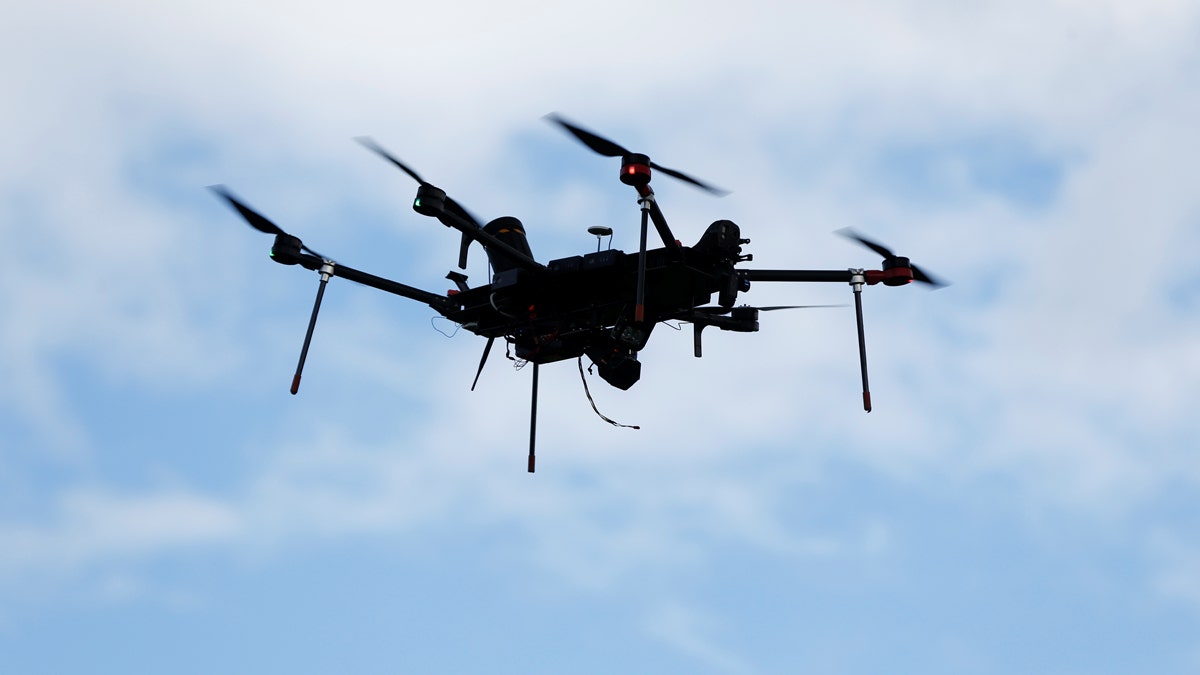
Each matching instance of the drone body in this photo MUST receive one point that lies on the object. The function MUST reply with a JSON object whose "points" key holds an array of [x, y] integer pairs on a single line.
{"points": [[603, 304]]}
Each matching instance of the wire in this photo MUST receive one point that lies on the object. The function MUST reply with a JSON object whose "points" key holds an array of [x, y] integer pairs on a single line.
{"points": [[492, 300], [433, 322], [517, 363], [587, 391]]}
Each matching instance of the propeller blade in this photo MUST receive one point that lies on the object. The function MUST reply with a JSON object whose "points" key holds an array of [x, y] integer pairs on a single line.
{"points": [[711, 189], [776, 307], [726, 310], [254, 218], [603, 146], [370, 144], [851, 234], [598, 144], [451, 205], [457, 209], [918, 273]]}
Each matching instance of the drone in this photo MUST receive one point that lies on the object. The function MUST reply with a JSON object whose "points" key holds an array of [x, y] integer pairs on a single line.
{"points": [[603, 304]]}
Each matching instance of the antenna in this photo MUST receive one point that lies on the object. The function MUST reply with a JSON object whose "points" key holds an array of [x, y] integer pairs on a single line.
{"points": [[600, 232]]}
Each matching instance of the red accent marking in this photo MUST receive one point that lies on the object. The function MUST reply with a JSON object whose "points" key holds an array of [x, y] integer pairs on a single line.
{"points": [[639, 313], [295, 384], [867, 401], [531, 458], [452, 292], [897, 276]]}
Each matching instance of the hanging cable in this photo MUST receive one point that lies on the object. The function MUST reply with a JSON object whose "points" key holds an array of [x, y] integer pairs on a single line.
{"points": [[433, 322], [587, 391], [517, 363]]}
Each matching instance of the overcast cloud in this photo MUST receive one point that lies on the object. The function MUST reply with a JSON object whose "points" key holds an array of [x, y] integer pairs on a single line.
{"points": [[1021, 499]]}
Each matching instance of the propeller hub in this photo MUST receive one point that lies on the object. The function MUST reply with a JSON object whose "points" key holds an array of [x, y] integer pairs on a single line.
{"points": [[635, 170], [897, 271], [286, 250], [430, 201]]}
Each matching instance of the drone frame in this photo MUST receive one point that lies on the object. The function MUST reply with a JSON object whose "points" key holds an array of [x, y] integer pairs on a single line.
{"points": [[515, 268]]}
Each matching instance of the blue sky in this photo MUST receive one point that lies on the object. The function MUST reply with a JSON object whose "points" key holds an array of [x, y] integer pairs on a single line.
{"points": [[1022, 499]]}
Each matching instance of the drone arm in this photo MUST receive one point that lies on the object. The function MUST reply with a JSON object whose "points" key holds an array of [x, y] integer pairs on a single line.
{"points": [[434, 300], [896, 276], [837, 276], [659, 220], [857, 279]]}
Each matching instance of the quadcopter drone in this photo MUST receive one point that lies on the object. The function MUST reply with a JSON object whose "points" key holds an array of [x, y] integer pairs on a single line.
{"points": [[603, 305]]}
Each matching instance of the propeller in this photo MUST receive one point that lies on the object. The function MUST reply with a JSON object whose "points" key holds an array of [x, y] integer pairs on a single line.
{"points": [[452, 206], [254, 218], [888, 256], [603, 146], [635, 171], [284, 251], [892, 263], [727, 310], [744, 319]]}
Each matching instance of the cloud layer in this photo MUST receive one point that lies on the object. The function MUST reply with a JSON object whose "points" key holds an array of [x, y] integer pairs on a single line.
{"points": [[1037, 155]]}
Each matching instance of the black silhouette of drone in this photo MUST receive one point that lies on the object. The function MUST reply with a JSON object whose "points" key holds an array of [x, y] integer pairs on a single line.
{"points": [[602, 305]]}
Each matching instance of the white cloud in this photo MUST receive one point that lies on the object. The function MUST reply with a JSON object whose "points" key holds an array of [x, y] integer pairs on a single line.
{"points": [[1064, 369], [690, 631], [91, 526], [1177, 566]]}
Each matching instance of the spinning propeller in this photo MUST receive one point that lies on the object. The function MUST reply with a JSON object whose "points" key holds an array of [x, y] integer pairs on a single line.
{"points": [[632, 161], [891, 261], [635, 171], [897, 271], [259, 221], [729, 310], [287, 251], [431, 200], [742, 319]]}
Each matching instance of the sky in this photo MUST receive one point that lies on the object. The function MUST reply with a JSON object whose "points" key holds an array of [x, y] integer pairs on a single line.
{"points": [[1023, 498]]}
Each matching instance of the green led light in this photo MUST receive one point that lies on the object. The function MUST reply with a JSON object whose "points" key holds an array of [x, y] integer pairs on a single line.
{"points": [[417, 203]]}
